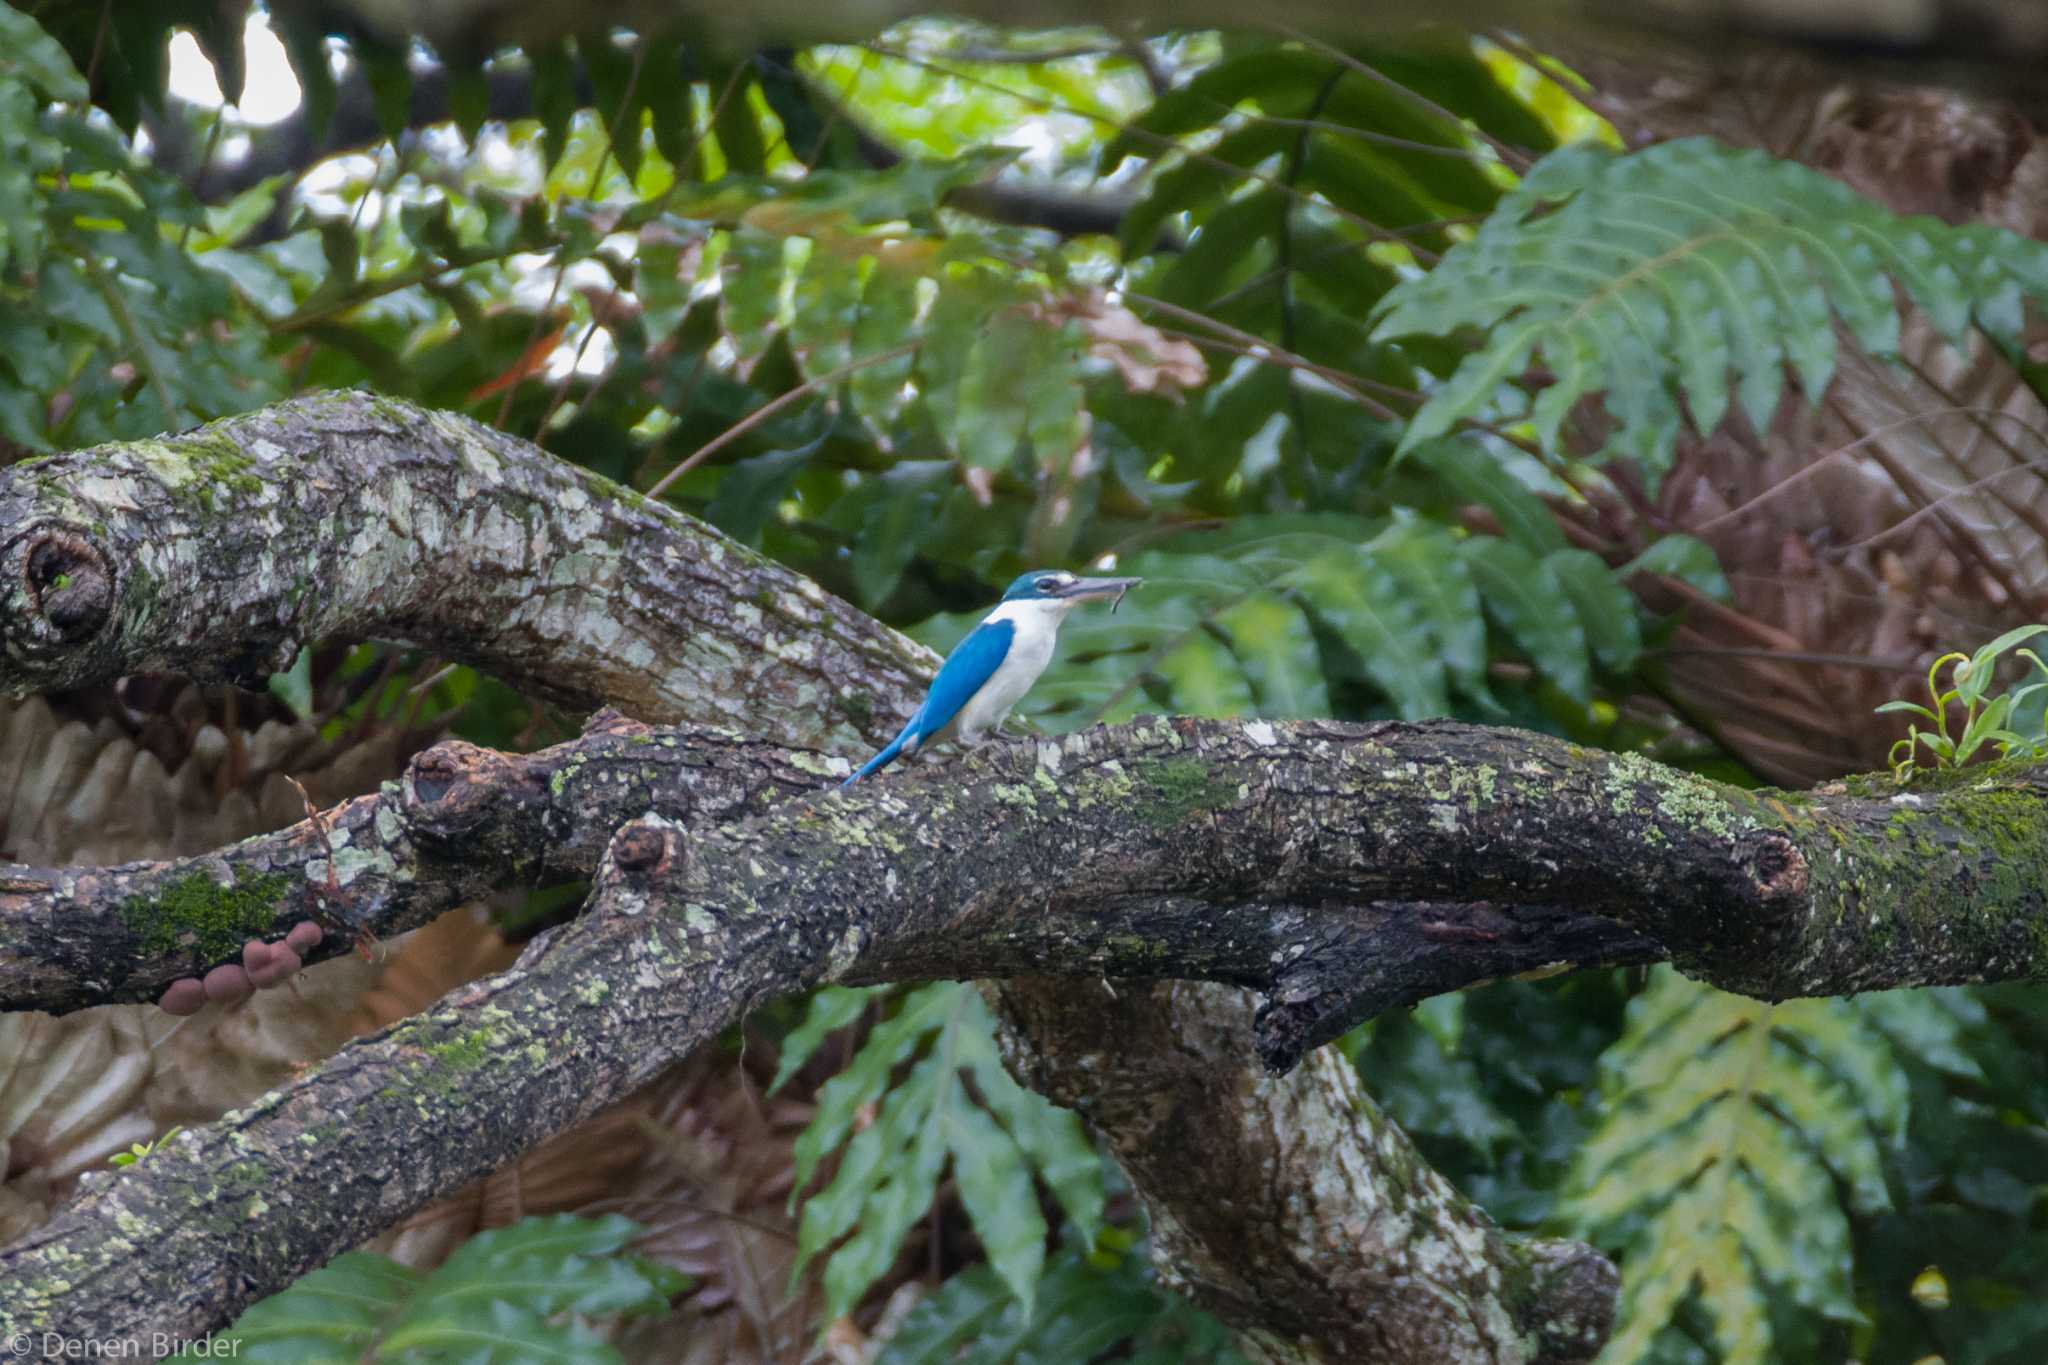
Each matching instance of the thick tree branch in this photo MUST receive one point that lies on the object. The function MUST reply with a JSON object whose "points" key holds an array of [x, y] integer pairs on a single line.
{"points": [[1242, 850], [226, 1215], [324, 1216], [1341, 869], [465, 820], [462, 822], [220, 552], [1177, 1119]]}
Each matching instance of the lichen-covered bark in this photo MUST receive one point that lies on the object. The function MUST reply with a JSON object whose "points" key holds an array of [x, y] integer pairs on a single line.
{"points": [[218, 553], [464, 820], [222, 1216], [461, 822], [62, 596], [1294, 1189]]}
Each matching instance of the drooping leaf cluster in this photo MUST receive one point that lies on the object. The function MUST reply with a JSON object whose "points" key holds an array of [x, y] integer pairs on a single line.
{"points": [[1811, 1180]]}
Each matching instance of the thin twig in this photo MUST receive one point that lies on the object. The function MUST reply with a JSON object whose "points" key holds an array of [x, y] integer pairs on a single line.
{"points": [[1513, 158], [770, 408]]}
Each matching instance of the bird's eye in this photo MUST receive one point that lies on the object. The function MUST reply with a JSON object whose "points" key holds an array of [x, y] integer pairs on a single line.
{"points": [[1048, 583]]}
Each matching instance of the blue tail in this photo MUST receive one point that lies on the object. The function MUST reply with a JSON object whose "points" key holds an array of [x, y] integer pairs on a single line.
{"points": [[880, 760]]}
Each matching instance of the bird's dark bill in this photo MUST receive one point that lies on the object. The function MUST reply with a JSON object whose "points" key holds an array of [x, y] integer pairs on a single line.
{"points": [[1112, 588]]}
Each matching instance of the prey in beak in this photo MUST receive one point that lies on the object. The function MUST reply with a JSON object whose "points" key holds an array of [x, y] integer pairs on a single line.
{"points": [[1093, 589]]}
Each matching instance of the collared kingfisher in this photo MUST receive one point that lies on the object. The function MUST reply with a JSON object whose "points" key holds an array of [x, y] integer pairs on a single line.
{"points": [[989, 671]]}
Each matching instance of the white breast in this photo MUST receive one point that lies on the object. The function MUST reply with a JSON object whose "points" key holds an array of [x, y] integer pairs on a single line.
{"points": [[1037, 625]]}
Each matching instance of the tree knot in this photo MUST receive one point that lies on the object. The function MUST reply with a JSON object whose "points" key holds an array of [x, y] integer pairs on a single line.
{"points": [[641, 849], [452, 790], [67, 584], [1777, 866]]}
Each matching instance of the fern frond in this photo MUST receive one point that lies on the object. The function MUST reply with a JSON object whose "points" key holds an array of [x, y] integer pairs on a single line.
{"points": [[1086, 1309], [995, 1137], [1670, 273], [1735, 1136]]}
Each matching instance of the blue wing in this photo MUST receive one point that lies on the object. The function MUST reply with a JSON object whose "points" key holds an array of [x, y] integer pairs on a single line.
{"points": [[966, 670]]}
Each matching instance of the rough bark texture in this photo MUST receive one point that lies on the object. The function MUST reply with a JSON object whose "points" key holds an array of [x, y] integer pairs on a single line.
{"points": [[59, 610], [1236, 852], [1342, 869], [461, 822], [221, 552], [222, 1217], [1360, 1251]]}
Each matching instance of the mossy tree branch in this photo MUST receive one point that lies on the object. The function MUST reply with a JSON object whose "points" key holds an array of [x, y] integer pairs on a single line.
{"points": [[220, 552], [1343, 870]]}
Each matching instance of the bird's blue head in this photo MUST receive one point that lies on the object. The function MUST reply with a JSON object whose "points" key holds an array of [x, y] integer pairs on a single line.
{"points": [[1057, 585]]}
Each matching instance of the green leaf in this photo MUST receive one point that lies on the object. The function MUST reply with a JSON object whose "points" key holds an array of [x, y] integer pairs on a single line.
{"points": [[390, 79], [1523, 593], [1365, 604], [750, 489], [996, 1189], [887, 319], [28, 54], [898, 519], [343, 1304], [1470, 474], [1271, 641], [824, 307], [1686, 558], [1054, 1144], [305, 44], [1424, 559], [920, 1125], [751, 303], [666, 86], [1606, 609], [830, 1010], [1199, 180], [1085, 1312], [616, 96], [554, 98], [496, 1299], [989, 413], [469, 99], [733, 121]]}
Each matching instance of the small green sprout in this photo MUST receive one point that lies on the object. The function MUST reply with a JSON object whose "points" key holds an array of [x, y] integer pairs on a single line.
{"points": [[137, 1151], [1985, 721]]}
